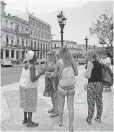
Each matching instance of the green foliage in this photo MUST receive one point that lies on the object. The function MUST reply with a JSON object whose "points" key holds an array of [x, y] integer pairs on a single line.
{"points": [[103, 28]]}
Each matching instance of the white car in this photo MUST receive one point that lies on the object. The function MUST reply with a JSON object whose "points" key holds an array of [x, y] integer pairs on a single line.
{"points": [[82, 60], [6, 62]]}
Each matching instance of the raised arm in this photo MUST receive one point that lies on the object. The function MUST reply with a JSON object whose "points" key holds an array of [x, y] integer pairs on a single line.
{"points": [[89, 70], [74, 66], [56, 71], [33, 74]]}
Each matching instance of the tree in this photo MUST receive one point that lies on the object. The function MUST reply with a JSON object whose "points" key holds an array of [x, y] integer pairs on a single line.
{"points": [[103, 28]]}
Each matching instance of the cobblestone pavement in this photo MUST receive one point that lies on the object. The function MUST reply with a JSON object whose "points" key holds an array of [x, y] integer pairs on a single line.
{"points": [[12, 115]]}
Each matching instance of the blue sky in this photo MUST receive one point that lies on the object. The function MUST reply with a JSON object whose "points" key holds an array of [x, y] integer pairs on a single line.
{"points": [[80, 15]]}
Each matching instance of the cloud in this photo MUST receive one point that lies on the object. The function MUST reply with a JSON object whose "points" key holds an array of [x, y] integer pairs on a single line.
{"points": [[42, 6]]}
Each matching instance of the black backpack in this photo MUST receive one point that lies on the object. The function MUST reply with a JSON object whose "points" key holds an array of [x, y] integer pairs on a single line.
{"points": [[107, 75]]}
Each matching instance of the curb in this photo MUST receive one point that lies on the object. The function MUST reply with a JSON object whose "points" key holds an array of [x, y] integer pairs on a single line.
{"points": [[18, 65]]}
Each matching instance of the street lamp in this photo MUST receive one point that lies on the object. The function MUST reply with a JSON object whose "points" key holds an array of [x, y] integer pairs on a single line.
{"points": [[86, 40], [62, 22], [94, 47]]}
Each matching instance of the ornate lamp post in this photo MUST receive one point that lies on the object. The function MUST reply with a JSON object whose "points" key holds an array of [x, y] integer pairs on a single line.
{"points": [[94, 47], [62, 22], [86, 40]]}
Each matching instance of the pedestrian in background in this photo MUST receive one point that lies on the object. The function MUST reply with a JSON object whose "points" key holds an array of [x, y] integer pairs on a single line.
{"points": [[94, 87], [107, 61], [66, 61], [28, 88], [50, 83]]}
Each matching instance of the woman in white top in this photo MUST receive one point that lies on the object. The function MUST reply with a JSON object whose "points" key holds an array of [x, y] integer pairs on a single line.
{"points": [[107, 61], [28, 88]]}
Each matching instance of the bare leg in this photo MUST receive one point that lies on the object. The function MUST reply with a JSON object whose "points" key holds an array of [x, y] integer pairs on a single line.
{"points": [[70, 104], [55, 106], [61, 100]]}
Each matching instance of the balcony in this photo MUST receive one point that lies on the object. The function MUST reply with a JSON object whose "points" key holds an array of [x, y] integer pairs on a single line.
{"points": [[7, 29], [27, 34], [15, 46]]}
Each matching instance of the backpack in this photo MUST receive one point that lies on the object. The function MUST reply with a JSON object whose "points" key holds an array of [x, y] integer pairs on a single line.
{"points": [[67, 80], [107, 75]]}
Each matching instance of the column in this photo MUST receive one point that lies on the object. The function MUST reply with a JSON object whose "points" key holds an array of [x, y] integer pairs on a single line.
{"points": [[20, 54], [4, 54], [38, 55], [15, 55], [9, 53]]}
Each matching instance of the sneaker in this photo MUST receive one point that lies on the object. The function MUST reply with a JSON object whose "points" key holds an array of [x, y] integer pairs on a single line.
{"points": [[32, 124], [24, 122], [88, 121], [51, 110], [54, 114], [98, 120]]}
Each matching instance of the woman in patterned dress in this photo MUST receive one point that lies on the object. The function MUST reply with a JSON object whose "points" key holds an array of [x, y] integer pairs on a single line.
{"points": [[95, 87], [28, 89], [51, 83]]}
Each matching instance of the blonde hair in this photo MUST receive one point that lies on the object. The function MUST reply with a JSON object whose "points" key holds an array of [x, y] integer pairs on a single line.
{"points": [[65, 55], [92, 54], [53, 54]]}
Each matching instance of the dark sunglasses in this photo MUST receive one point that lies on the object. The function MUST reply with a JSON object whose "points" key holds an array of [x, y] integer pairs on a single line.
{"points": [[49, 54]]}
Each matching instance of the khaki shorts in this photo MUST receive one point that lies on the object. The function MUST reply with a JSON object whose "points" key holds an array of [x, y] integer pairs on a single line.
{"points": [[66, 92]]}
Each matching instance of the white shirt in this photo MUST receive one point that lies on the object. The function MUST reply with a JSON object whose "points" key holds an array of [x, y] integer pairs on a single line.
{"points": [[25, 80], [107, 61]]}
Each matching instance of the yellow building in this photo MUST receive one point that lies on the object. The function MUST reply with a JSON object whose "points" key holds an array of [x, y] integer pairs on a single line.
{"points": [[19, 35], [56, 44], [40, 36]]}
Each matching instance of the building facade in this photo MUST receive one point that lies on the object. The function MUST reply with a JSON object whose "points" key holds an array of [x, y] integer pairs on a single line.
{"points": [[18, 36], [40, 36], [77, 50], [56, 44]]}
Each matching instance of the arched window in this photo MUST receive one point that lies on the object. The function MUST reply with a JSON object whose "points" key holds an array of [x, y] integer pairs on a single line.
{"points": [[22, 41], [7, 39], [31, 32], [11, 39], [31, 44], [17, 40], [6, 23], [38, 45], [41, 46], [26, 42], [34, 44]]}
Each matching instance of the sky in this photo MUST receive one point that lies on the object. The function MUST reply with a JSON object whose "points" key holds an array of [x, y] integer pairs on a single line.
{"points": [[42, 6], [79, 13]]}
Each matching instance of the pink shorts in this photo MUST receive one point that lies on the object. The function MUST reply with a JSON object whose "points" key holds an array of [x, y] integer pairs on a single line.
{"points": [[66, 92]]}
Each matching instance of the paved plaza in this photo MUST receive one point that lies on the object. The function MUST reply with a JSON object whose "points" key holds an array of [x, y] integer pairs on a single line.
{"points": [[12, 115]]}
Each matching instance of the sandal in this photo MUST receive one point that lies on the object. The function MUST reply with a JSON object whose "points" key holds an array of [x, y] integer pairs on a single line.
{"points": [[60, 124], [98, 120], [32, 124], [71, 129], [24, 122], [88, 121], [51, 110], [54, 114]]}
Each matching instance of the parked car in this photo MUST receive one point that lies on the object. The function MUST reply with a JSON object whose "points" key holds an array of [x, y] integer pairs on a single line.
{"points": [[82, 61], [41, 61], [6, 62], [112, 61]]}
